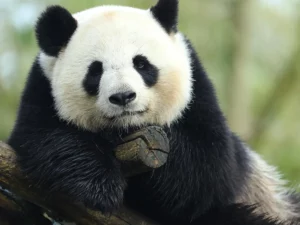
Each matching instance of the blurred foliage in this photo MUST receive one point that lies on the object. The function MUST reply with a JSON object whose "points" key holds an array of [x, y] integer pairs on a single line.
{"points": [[250, 49]]}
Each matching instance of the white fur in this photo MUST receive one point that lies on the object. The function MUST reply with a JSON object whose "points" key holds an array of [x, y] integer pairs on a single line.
{"points": [[47, 63], [114, 35], [266, 188]]}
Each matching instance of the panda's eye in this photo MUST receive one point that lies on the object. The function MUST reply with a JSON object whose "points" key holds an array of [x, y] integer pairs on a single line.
{"points": [[140, 62], [95, 69], [140, 65], [148, 71], [92, 78]]}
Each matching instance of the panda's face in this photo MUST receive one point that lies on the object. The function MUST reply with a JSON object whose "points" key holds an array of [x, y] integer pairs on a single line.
{"points": [[120, 69]]}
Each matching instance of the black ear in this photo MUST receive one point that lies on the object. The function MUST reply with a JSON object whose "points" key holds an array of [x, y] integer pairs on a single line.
{"points": [[54, 29], [166, 13]]}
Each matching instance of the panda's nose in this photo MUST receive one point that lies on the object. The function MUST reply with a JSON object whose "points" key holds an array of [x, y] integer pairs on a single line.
{"points": [[122, 98]]}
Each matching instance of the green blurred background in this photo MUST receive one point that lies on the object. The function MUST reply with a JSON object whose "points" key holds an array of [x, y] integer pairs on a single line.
{"points": [[250, 48]]}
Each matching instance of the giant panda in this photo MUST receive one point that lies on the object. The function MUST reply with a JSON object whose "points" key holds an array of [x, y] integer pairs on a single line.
{"points": [[107, 71]]}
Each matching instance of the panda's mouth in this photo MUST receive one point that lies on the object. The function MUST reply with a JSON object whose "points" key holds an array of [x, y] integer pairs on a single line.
{"points": [[127, 113]]}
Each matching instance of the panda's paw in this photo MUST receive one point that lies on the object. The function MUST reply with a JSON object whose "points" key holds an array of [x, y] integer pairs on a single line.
{"points": [[105, 195]]}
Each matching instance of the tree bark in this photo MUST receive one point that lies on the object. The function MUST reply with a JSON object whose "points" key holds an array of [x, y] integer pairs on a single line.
{"points": [[143, 151]]}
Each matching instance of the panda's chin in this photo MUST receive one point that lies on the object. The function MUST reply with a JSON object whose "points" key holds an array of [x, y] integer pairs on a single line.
{"points": [[126, 119]]}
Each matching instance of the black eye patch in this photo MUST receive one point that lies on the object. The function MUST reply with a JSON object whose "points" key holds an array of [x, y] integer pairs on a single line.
{"points": [[92, 78], [148, 71]]}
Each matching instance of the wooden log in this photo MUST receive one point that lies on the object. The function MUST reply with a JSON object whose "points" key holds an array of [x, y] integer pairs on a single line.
{"points": [[143, 151]]}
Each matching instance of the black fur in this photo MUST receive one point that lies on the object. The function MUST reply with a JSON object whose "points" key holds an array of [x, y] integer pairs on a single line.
{"points": [[148, 71], [92, 78], [54, 29], [61, 158], [166, 13]]}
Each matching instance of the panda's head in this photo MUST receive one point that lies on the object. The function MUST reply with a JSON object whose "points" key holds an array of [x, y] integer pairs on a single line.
{"points": [[114, 66]]}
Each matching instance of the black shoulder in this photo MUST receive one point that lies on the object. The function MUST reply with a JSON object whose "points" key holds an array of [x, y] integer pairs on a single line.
{"points": [[37, 89], [36, 107]]}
